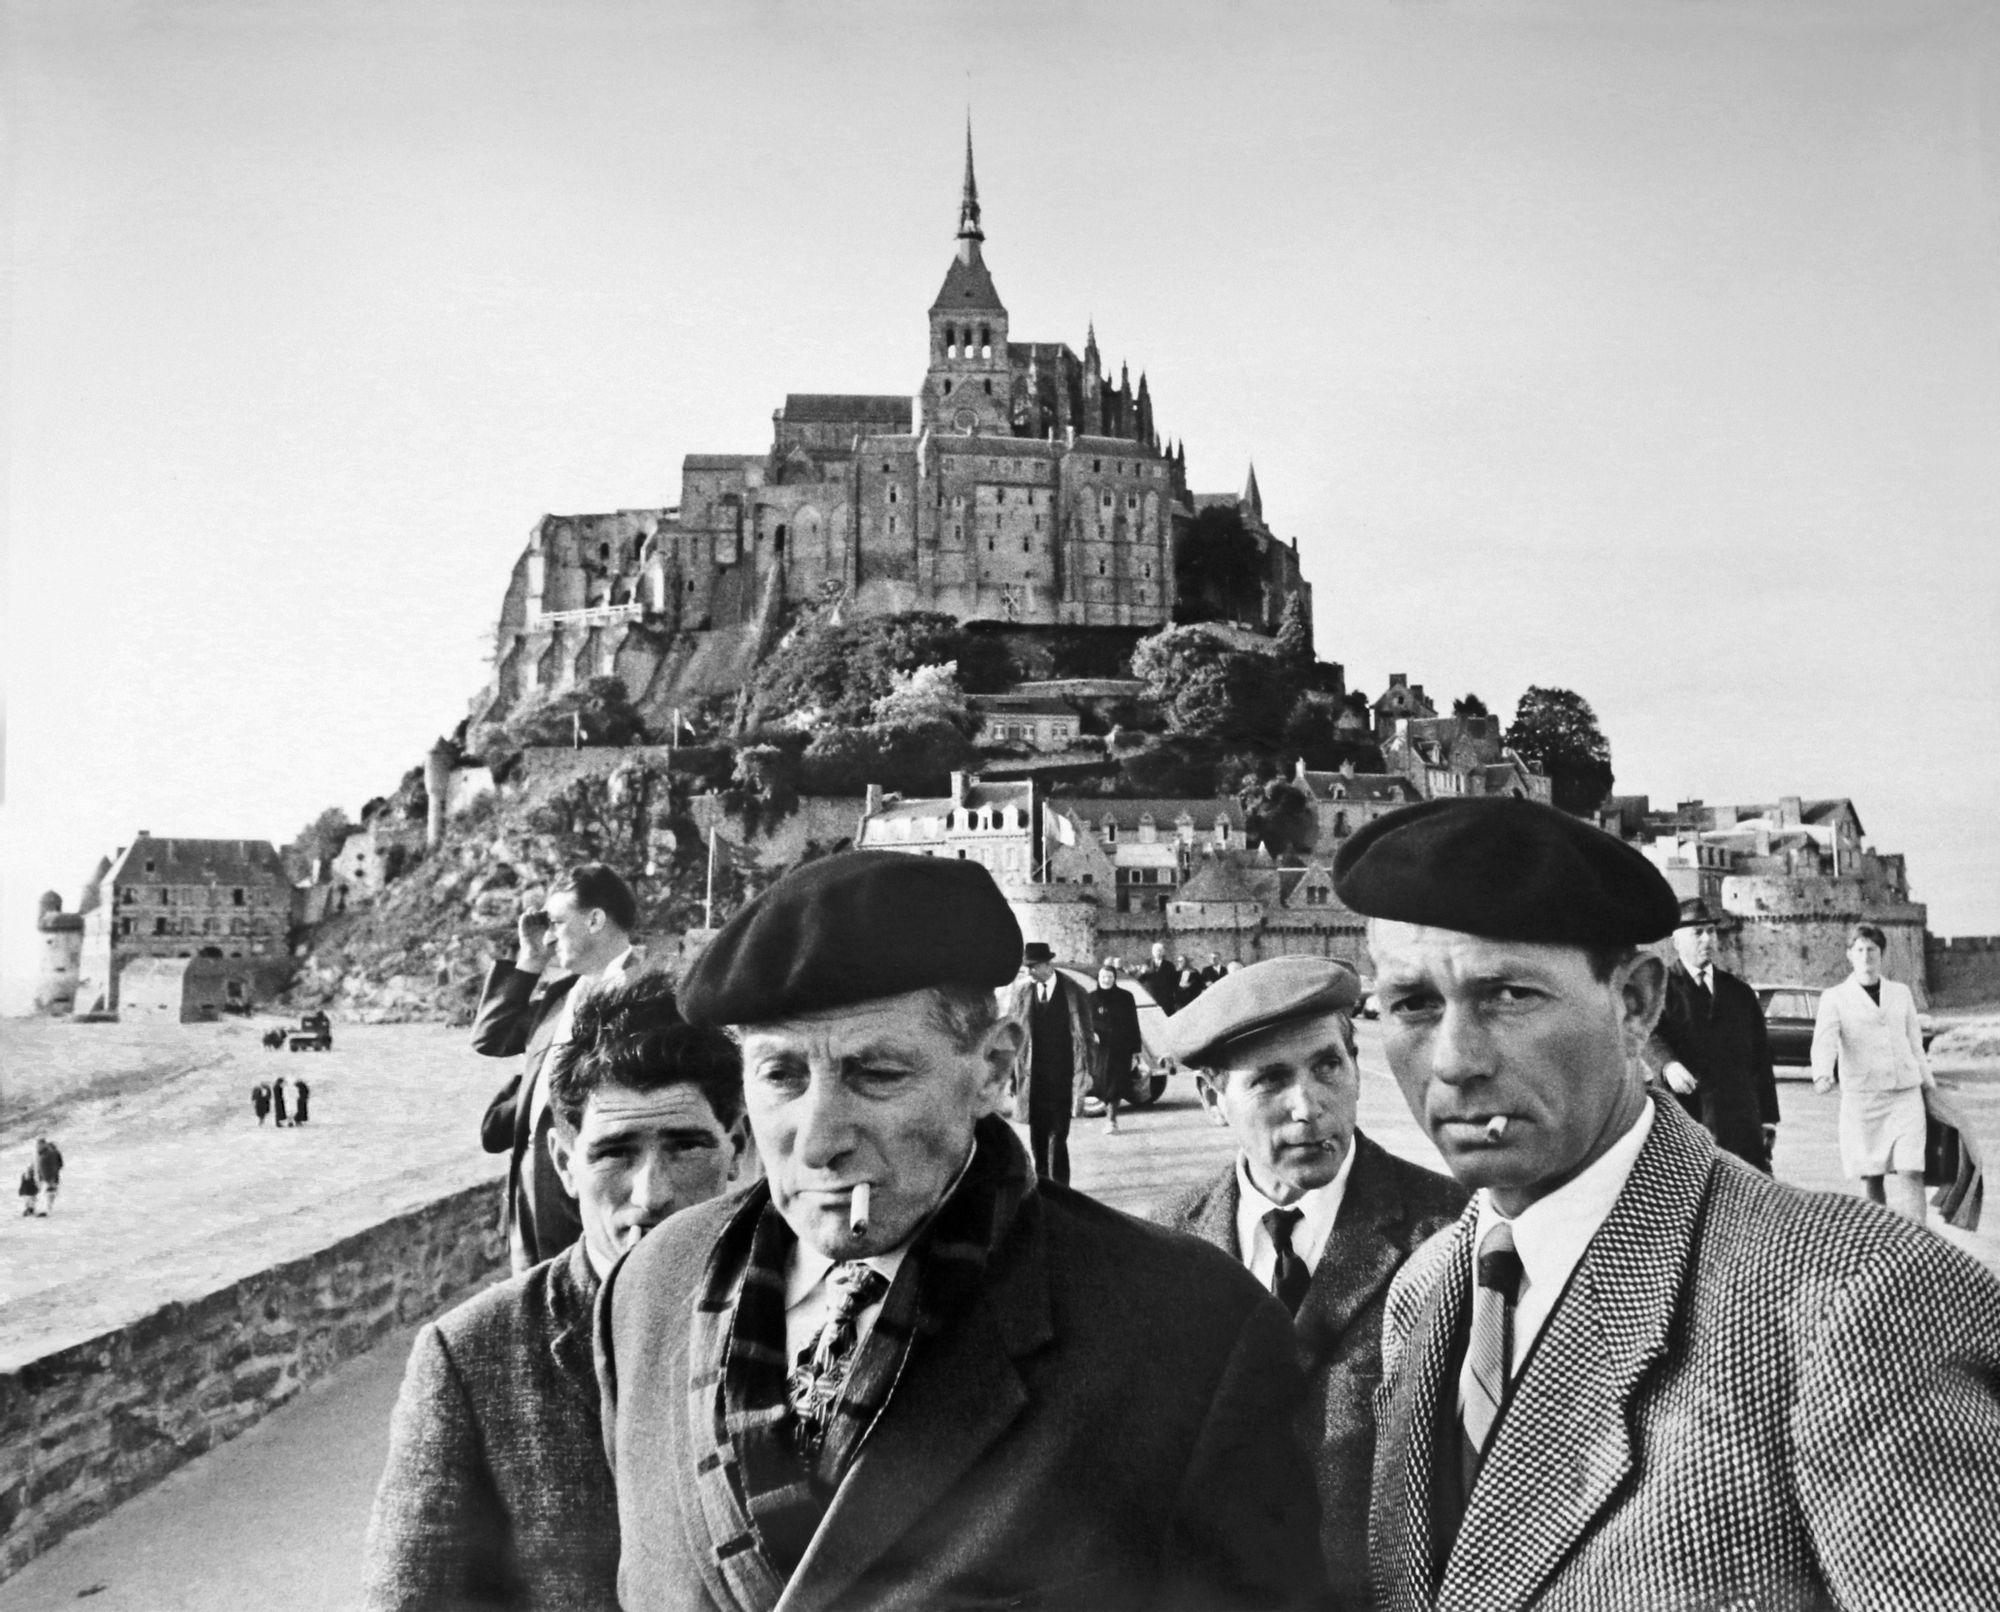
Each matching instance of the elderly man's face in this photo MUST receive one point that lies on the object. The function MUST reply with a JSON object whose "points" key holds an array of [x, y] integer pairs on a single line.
{"points": [[877, 1093], [1289, 1098], [1695, 946], [1478, 1029]]}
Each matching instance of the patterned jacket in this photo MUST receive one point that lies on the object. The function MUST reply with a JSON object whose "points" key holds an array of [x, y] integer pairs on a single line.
{"points": [[497, 1492], [1749, 1396], [1390, 1207]]}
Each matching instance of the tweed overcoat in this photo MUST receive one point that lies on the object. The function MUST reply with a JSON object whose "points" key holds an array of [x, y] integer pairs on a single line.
{"points": [[1720, 1038], [497, 1492], [1108, 1428], [1748, 1396], [517, 1019], [1390, 1207]]}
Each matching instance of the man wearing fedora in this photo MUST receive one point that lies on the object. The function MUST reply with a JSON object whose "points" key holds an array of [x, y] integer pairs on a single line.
{"points": [[1320, 1214], [1054, 1066], [1632, 1375], [1711, 1047], [900, 1373]]}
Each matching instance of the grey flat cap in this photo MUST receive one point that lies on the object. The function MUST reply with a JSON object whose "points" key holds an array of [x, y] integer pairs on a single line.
{"points": [[1256, 998]]}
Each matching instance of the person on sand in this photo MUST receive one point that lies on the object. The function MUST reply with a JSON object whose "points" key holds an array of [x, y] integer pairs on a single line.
{"points": [[30, 1190], [1114, 1024], [301, 1093], [278, 1118], [48, 1171], [260, 1100]]}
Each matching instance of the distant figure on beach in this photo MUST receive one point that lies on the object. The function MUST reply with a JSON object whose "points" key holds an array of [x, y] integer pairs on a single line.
{"points": [[260, 1099], [301, 1093], [30, 1190], [48, 1171], [278, 1118]]}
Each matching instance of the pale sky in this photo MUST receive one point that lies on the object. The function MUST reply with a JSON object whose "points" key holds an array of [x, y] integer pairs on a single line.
{"points": [[1652, 350]]}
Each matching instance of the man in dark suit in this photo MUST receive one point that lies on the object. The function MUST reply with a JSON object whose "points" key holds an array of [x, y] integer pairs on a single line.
{"points": [[1632, 1375], [585, 928], [497, 1492], [1711, 1047], [900, 1373], [1162, 981], [1054, 1063], [1273, 1050]]}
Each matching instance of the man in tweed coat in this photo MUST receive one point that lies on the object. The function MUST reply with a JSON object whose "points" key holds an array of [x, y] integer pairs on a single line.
{"points": [[1637, 1374], [497, 1492], [1273, 1050]]}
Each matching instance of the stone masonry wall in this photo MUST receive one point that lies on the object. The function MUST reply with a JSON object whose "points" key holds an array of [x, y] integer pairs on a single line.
{"points": [[1965, 971], [89, 1425]]}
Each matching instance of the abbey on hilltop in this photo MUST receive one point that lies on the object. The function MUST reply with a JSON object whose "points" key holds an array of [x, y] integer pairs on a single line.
{"points": [[1021, 485]]}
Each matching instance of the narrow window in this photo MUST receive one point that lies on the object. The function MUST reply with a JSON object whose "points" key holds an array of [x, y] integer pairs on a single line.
{"points": [[989, 388], [1100, 568], [1027, 545]]}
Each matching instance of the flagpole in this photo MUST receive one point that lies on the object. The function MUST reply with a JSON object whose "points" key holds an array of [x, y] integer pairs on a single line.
{"points": [[708, 906]]}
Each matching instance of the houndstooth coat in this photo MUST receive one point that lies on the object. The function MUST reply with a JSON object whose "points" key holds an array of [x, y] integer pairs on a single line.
{"points": [[1749, 1396]]}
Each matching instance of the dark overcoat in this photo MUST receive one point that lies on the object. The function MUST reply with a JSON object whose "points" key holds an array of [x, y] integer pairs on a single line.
{"points": [[1748, 1395], [1114, 1025], [516, 1019], [1721, 1039], [1109, 1428], [1390, 1207], [497, 1492], [1019, 1008]]}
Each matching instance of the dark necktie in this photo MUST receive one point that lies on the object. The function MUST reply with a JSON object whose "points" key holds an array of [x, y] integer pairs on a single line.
{"points": [[814, 1385], [1289, 1277], [1490, 1350]]}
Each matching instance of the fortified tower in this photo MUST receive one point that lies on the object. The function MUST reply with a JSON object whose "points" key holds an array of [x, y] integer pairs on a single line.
{"points": [[969, 385]]}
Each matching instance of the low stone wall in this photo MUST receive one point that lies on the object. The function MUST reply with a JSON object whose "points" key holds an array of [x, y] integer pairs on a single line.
{"points": [[1965, 971], [91, 1423]]}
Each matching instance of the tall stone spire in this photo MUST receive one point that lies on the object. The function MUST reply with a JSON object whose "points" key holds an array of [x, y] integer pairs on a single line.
{"points": [[1253, 500], [969, 232]]}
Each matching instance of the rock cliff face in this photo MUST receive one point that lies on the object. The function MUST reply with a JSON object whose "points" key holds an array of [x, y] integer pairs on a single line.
{"points": [[419, 950]]}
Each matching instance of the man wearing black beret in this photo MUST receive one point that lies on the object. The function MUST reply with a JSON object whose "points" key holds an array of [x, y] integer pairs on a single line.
{"points": [[899, 1372], [1637, 1372]]}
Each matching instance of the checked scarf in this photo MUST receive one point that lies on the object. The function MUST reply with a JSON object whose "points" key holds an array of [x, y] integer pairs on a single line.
{"points": [[762, 1502]]}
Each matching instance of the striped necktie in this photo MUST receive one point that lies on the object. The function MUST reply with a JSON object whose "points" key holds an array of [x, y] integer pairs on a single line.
{"points": [[1490, 1350]]}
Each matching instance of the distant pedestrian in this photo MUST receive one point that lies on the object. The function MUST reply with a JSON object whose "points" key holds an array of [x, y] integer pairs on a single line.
{"points": [[278, 1119], [301, 1093], [260, 1099], [48, 1171], [1054, 1063], [1710, 1045], [1191, 981], [1214, 971], [1162, 981], [30, 1190], [1114, 1023], [1867, 1037]]}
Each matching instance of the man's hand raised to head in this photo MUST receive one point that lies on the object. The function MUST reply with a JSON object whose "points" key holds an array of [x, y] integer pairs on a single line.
{"points": [[536, 942]]}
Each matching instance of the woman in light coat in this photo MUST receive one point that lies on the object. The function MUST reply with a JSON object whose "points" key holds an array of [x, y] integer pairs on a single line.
{"points": [[1867, 1036]]}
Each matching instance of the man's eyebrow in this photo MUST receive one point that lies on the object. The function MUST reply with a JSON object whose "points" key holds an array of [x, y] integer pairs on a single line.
{"points": [[875, 1054]]}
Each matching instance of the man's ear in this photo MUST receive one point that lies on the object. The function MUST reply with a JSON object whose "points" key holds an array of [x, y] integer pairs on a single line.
{"points": [[1642, 993], [1208, 1086], [739, 1147], [562, 1150], [997, 1054]]}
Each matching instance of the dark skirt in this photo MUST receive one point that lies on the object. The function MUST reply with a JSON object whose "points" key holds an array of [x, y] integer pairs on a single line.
{"points": [[1111, 1073]]}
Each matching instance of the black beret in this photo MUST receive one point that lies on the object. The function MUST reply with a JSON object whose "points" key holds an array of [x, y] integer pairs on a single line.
{"points": [[1507, 869], [1258, 998], [854, 928]]}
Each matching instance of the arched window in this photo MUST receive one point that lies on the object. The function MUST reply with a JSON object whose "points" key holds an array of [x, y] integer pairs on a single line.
{"points": [[778, 540]]}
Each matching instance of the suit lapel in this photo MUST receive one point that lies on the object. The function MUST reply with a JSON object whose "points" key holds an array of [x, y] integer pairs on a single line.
{"points": [[1402, 1530], [1362, 1253], [959, 1392], [1563, 1446], [1214, 1220]]}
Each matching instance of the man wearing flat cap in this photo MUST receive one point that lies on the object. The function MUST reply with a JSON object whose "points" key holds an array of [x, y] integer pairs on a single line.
{"points": [[1636, 1373], [900, 1372], [1711, 1047], [1319, 1213]]}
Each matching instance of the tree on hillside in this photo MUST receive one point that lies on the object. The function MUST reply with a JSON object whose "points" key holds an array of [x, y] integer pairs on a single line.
{"points": [[1206, 689], [911, 759], [1295, 633], [1217, 568], [1469, 705], [1279, 816], [1556, 729], [320, 839], [833, 675], [597, 711], [925, 694]]}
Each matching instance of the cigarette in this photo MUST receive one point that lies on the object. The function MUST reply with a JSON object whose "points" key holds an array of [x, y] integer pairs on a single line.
{"points": [[1496, 1127], [857, 1212]]}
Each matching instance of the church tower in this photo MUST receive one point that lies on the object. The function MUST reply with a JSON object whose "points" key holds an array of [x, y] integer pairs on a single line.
{"points": [[968, 386]]}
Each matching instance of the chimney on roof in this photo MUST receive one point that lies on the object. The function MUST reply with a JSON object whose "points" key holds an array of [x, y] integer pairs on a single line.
{"points": [[1399, 679], [872, 801], [1791, 811], [958, 789]]}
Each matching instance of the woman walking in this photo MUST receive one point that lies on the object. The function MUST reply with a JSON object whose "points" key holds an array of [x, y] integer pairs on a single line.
{"points": [[1114, 1026], [1867, 1037]]}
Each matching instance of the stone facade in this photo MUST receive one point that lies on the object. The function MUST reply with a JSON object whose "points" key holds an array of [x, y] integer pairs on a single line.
{"points": [[1964, 971], [183, 898], [991, 824], [1019, 485], [92, 1423]]}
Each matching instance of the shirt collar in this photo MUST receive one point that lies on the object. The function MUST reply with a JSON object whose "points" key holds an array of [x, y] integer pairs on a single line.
{"points": [[807, 1266], [1318, 1209], [1551, 1234]]}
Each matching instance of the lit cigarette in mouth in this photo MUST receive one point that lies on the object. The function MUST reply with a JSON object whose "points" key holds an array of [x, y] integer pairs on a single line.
{"points": [[1496, 1127], [857, 1212]]}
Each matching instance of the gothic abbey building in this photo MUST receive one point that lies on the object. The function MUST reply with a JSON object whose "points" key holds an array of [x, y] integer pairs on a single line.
{"points": [[1020, 486]]}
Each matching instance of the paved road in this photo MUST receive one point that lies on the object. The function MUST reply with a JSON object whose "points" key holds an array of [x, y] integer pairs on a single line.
{"points": [[275, 1518]]}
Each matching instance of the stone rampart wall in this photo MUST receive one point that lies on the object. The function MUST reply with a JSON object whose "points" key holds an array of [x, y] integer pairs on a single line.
{"points": [[1964, 971], [91, 1423]]}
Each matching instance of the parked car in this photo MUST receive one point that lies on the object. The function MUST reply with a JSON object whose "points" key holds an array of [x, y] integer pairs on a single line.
{"points": [[1791, 1011]]}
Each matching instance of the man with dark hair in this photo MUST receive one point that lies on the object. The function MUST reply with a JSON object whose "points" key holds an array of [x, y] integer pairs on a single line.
{"points": [[1315, 1210], [900, 1373], [585, 928], [497, 1492], [1711, 1047], [1634, 1374], [1054, 1063]]}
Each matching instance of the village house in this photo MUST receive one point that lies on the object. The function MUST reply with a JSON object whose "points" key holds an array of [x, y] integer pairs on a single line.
{"points": [[991, 824]]}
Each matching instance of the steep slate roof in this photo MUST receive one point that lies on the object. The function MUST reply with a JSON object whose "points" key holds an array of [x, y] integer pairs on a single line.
{"points": [[1126, 813], [978, 797], [1364, 786], [1018, 705], [720, 461], [844, 408], [176, 861], [1223, 880], [968, 288]]}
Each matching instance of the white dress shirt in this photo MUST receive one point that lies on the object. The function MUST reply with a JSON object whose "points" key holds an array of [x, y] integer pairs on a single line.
{"points": [[1319, 1207], [1552, 1234]]}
